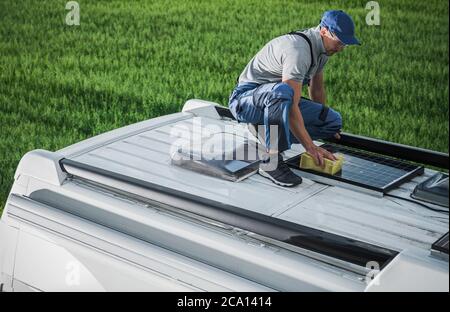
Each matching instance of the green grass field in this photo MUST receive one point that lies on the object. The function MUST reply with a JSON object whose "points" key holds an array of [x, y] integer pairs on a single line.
{"points": [[133, 60]]}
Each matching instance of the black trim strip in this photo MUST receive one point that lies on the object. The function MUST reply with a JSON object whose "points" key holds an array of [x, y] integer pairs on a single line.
{"points": [[332, 245], [396, 150], [224, 112]]}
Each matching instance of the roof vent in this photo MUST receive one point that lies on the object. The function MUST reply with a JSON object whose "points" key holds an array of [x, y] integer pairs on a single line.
{"points": [[223, 155], [433, 190]]}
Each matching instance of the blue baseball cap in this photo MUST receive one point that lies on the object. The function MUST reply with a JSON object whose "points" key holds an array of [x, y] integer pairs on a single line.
{"points": [[340, 24]]}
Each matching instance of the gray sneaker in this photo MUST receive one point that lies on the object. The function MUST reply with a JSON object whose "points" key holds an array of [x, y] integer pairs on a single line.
{"points": [[282, 175]]}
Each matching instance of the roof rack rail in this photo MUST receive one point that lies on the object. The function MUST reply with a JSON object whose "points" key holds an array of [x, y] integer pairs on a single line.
{"points": [[325, 243], [406, 152]]}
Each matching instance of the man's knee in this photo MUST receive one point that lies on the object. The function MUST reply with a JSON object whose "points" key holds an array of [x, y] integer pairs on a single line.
{"points": [[276, 101], [283, 91], [334, 120]]}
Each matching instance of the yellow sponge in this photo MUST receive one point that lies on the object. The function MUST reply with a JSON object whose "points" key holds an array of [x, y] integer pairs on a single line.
{"points": [[331, 166]]}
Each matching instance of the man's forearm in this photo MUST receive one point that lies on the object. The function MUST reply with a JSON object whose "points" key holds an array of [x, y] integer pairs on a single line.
{"points": [[296, 123], [318, 96], [297, 126], [316, 89]]}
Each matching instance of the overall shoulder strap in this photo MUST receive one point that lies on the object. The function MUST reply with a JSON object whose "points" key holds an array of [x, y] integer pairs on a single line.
{"points": [[309, 43]]}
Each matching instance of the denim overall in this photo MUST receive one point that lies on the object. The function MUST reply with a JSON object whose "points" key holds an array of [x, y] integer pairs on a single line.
{"points": [[269, 104]]}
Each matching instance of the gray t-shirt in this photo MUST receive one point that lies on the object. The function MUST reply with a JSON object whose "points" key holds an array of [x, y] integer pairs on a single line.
{"points": [[287, 56]]}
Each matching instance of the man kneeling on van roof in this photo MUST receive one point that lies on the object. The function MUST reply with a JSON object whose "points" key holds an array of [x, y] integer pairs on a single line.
{"points": [[268, 92]]}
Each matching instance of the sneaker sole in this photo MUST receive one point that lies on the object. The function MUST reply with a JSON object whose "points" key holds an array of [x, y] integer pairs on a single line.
{"points": [[266, 175]]}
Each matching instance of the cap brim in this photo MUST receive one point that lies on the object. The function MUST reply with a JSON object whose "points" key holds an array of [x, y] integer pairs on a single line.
{"points": [[349, 40]]}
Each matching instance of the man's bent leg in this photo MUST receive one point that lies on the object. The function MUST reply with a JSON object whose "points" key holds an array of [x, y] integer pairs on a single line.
{"points": [[269, 105], [276, 102]]}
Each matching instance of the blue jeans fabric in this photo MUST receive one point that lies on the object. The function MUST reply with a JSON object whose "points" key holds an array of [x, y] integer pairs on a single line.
{"points": [[269, 104]]}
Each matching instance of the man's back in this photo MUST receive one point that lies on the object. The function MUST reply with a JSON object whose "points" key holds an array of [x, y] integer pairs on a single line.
{"points": [[286, 56]]}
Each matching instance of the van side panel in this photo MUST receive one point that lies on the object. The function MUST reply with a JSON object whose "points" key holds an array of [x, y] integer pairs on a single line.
{"points": [[8, 243]]}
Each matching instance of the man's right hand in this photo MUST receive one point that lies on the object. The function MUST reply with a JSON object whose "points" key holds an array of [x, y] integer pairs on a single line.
{"points": [[318, 154]]}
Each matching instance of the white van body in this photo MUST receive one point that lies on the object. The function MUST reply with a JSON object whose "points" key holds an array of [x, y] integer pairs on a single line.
{"points": [[105, 214]]}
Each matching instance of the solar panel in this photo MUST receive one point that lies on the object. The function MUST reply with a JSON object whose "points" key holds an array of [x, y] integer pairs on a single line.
{"points": [[364, 169]]}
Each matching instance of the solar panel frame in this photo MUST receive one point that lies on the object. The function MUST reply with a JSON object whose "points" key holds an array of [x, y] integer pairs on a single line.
{"points": [[409, 170]]}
